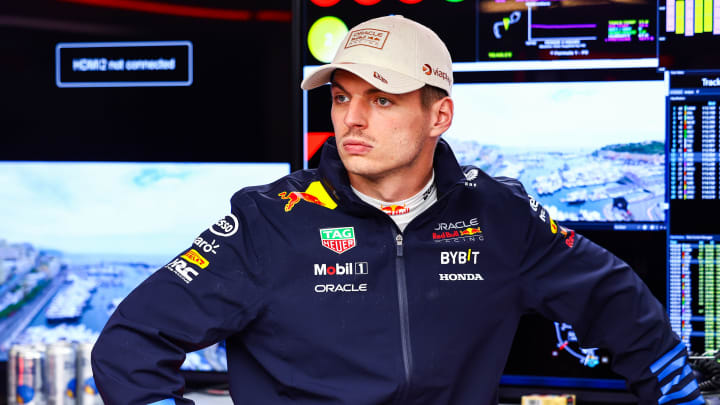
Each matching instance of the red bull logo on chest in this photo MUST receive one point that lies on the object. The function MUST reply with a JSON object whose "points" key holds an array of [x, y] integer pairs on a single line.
{"points": [[315, 194]]}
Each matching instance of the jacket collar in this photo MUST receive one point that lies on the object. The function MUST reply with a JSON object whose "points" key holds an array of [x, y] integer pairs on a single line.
{"points": [[334, 176]]}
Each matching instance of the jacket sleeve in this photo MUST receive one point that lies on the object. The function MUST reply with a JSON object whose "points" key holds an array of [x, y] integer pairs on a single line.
{"points": [[568, 278], [206, 293]]}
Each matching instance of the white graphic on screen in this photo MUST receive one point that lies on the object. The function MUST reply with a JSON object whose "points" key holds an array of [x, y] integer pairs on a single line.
{"points": [[588, 151], [77, 237]]}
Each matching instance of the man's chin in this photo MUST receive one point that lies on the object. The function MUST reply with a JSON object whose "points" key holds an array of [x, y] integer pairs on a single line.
{"points": [[360, 166]]}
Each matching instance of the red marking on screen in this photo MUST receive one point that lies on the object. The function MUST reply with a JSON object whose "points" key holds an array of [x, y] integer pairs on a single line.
{"points": [[190, 11], [314, 141]]}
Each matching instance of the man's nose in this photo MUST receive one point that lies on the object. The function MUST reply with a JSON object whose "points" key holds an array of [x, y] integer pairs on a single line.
{"points": [[356, 114]]}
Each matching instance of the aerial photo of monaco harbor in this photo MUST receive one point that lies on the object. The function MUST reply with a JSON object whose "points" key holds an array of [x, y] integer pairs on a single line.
{"points": [[615, 183], [77, 237], [48, 296], [588, 151]]}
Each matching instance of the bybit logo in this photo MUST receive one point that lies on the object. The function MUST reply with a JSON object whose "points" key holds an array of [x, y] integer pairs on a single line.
{"points": [[459, 257]]}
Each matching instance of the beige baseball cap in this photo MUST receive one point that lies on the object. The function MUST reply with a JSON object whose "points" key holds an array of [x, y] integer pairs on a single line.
{"points": [[393, 53]]}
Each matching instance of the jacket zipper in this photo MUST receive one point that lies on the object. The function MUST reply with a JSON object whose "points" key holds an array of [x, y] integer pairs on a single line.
{"points": [[403, 305], [404, 315]]}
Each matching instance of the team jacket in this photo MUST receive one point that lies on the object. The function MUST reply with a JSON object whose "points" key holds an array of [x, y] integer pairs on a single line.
{"points": [[322, 300]]}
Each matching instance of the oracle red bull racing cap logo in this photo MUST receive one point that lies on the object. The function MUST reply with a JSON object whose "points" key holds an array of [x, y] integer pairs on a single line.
{"points": [[315, 194], [338, 240]]}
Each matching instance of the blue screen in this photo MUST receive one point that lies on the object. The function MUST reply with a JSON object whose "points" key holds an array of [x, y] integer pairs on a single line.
{"points": [[77, 237]]}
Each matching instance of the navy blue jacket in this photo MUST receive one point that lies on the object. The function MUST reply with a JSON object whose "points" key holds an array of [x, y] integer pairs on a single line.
{"points": [[322, 300]]}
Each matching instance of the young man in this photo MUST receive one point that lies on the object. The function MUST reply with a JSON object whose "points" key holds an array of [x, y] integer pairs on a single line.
{"points": [[388, 275]]}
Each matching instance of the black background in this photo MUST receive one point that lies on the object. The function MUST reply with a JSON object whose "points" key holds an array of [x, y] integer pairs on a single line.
{"points": [[237, 109]]}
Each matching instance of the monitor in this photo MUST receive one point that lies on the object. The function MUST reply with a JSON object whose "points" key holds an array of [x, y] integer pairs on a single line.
{"points": [[693, 283], [693, 240], [77, 237], [592, 151], [687, 30]]}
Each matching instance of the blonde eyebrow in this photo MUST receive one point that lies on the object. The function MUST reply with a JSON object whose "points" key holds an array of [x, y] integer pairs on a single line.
{"points": [[369, 91]]}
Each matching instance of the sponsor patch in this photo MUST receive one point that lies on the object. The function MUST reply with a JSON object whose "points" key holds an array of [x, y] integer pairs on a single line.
{"points": [[225, 226], [194, 257], [449, 226], [315, 194], [534, 204], [341, 288], [569, 236], [344, 269], [428, 192], [205, 246], [459, 257], [458, 231], [430, 71], [463, 235], [545, 217], [543, 214], [380, 77], [471, 174], [461, 277], [470, 177], [395, 209], [339, 240], [182, 269], [367, 37]]}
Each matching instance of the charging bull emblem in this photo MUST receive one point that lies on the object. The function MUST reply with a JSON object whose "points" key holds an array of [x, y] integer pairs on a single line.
{"points": [[315, 193], [470, 231]]}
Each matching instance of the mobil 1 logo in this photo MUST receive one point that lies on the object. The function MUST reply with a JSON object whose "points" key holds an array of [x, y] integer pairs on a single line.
{"points": [[333, 282]]}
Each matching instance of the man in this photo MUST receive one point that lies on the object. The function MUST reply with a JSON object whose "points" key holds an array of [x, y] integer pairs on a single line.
{"points": [[388, 275]]}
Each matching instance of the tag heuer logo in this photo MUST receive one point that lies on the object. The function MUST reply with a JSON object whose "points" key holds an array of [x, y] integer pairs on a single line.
{"points": [[338, 240]]}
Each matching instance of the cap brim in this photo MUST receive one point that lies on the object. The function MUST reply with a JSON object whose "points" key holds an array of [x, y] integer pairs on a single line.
{"points": [[386, 80]]}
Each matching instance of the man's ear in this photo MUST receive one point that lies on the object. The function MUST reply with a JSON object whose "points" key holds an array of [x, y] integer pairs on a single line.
{"points": [[441, 116]]}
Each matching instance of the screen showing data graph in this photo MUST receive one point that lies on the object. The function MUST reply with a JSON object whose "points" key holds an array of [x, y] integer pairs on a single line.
{"points": [[689, 32]]}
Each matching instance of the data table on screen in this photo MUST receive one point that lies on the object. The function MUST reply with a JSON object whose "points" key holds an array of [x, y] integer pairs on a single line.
{"points": [[693, 285]]}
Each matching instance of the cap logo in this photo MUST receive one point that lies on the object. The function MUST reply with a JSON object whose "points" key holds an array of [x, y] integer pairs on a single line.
{"points": [[379, 77], [367, 37], [428, 70]]}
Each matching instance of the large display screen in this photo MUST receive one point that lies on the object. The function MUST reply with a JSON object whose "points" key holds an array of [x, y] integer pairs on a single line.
{"points": [[77, 237], [592, 152], [482, 31], [687, 29], [694, 280], [693, 241]]}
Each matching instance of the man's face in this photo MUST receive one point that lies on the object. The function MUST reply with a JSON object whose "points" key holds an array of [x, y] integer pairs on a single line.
{"points": [[379, 134]]}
